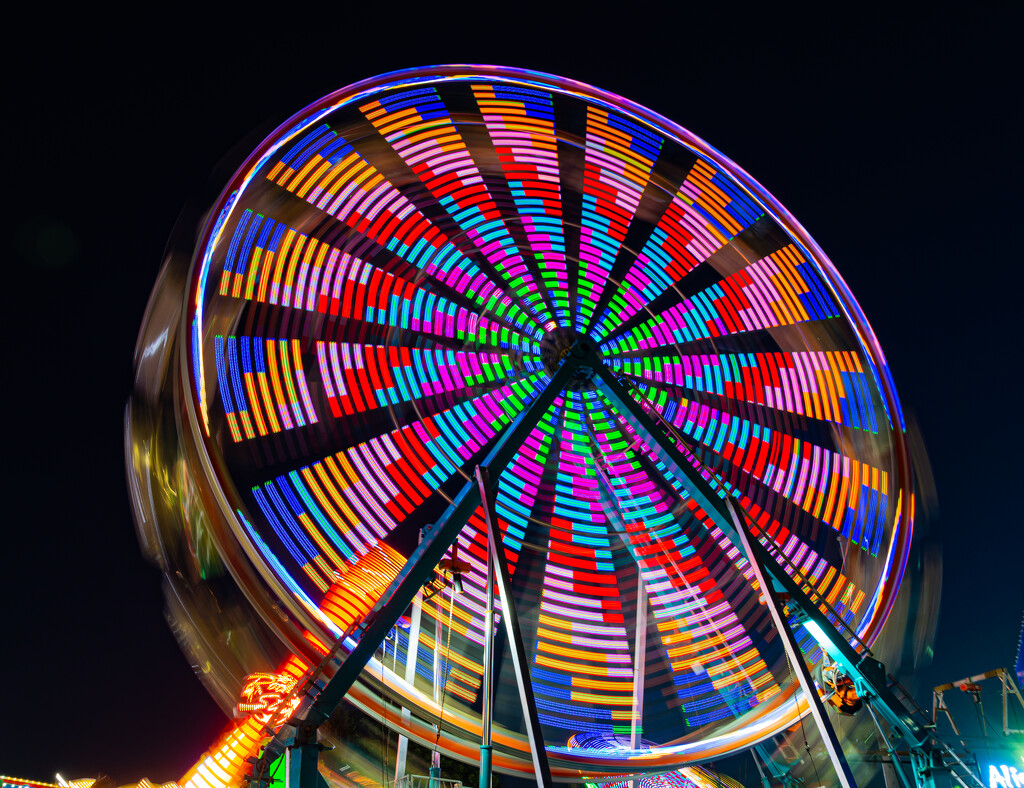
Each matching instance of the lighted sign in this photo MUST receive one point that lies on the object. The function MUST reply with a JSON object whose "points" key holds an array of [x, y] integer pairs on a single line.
{"points": [[1005, 776]]}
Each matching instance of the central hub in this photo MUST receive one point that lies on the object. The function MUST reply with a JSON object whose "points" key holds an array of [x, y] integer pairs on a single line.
{"points": [[556, 345], [561, 342]]}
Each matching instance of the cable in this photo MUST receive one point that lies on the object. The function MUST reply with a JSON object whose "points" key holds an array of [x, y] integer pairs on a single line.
{"points": [[760, 771], [384, 711], [997, 725], [807, 744]]}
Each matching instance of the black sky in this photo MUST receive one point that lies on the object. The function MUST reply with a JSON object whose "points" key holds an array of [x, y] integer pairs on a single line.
{"points": [[893, 137]]}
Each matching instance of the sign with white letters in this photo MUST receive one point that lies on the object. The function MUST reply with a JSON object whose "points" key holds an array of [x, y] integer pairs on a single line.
{"points": [[1005, 776]]}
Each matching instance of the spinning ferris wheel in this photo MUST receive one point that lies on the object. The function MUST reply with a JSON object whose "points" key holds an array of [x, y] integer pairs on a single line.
{"points": [[445, 268]]}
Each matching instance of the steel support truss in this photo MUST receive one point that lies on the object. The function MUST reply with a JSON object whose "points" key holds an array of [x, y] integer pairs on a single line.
{"points": [[1009, 689], [803, 606]]}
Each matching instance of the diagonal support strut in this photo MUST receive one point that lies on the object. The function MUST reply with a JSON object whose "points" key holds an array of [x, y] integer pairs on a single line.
{"points": [[510, 618]]}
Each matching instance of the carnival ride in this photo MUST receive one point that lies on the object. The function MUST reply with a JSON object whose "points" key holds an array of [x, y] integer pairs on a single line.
{"points": [[465, 322]]}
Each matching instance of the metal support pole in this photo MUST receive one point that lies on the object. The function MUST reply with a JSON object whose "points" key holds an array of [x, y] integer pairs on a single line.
{"points": [[764, 778], [511, 620], [636, 717], [487, 684], [894, 757], [411, 657], [920, 764], [636, 724], [939, 704], [302, 758], [828, 735], [1006, 724], [1009, 688], [435, 756]]}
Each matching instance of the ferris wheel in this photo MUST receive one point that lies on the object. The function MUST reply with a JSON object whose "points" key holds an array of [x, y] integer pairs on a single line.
{"points": [[456, 267]]}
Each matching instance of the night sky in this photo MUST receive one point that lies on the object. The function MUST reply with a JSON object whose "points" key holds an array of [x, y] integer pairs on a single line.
{"points": [[894, 139]]}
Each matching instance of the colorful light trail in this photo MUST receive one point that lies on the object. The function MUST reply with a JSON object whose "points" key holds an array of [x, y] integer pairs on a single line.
{"points": [[387, 285]]}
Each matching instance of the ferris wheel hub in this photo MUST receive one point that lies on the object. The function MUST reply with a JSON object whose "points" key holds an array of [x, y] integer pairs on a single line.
{"points": [[561, 342]]}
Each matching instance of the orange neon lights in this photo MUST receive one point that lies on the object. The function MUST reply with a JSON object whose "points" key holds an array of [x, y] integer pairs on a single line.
{"points": [[265, 697]]}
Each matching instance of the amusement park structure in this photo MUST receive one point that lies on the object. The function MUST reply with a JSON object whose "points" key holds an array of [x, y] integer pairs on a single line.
{"points": [[517, 417], [772, 571]]}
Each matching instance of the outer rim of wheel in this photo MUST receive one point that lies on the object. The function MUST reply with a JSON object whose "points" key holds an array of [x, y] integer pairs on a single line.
{"points": [[227, 498]]}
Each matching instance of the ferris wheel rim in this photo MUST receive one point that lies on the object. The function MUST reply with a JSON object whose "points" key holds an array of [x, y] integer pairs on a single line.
{"points": [[453, 72]]}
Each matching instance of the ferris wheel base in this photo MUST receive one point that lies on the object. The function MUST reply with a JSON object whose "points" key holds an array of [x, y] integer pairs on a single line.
{"points": [[789, 602]]}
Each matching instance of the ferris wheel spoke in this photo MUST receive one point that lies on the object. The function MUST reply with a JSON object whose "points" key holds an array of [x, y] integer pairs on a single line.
{"points": [[777, 290], [706, 212], [265, 388], [619, 158], [827, 386], [698, 620], [340, 506], [327, 172], [419, 128], [358, 377], [270, 263], [583, 654], [827, 486]]}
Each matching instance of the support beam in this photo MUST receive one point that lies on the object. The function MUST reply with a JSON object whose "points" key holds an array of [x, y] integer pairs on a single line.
{"points": [[939, 704], [636, 717], [302, 759], [510, 618], [796, 658], [411, 657], [435, 756], [894, 757], [487, 683], [639, 662], [1009, 688]]}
